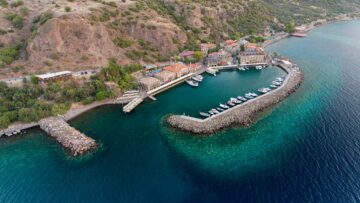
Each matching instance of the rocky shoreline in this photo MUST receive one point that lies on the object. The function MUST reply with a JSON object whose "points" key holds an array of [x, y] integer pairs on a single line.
{"points": [[77, 143], [242, 114]]}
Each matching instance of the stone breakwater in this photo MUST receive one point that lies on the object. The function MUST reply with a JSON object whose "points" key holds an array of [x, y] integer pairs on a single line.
{"points": [[73, 140], [242, 114]]}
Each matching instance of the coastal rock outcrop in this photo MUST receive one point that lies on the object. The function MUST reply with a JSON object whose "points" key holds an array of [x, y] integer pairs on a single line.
{"points": [[242, 114]]}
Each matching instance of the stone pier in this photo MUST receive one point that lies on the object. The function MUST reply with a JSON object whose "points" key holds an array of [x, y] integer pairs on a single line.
{"points": [[73, 140], [242, 114]]}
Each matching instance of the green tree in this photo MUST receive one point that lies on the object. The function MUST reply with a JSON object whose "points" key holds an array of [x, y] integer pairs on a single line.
{"points": [[4, 121], [289, 27], [24, 114], [34, 80], [198, 55], [59, 109]]}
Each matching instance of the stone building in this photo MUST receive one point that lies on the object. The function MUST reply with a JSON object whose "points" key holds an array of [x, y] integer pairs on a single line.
{"points": [[149, 83], [165, 76]]}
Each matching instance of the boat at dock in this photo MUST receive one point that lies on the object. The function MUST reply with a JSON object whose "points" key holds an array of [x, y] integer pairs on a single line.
{"points": [[236, 101], [230, 103], [249, 96], [215, 111], [258, 67], [264, 90], [206, 115], [224, 106], [242, 69], [211, 71], [273, 86], [220, 109], [198, 78], [192, 83], [243, 99]]}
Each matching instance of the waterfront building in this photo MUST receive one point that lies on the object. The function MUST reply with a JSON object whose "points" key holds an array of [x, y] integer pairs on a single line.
{"points": [[186, 55], [232, 46], [149, 83], [206, 47], [253, 54], [194, 67], [165, 76], [62, 75], [216, 58], [178, 68]]}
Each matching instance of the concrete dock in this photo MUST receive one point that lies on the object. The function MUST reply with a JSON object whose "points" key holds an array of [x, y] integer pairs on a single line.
{"points": [[76, 142], [242, 114]]}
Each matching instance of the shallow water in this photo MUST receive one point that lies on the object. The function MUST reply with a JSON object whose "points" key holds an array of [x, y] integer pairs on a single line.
{"points": [[305, 149]]}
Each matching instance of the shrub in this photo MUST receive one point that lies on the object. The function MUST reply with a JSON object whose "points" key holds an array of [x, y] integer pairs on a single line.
{"points": [[16, 3], [67, 9], [16, 20], [24, 11], [3, 3], [8, 55], [123, 42]]}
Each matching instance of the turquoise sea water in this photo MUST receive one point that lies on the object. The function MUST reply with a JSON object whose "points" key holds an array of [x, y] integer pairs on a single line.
{"points": [[305, 149]]}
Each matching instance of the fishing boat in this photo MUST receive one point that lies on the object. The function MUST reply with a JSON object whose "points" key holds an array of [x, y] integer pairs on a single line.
{"points": [[258, 67], [220, 109], [211, 113], [262, 90], [230, 103], [280, 79], [198, 78], [215, 111], [273, 86], [192, 83], [236, 101], [242, 69], [249, 96], [206, 115], [242, 98], [224, 106]]}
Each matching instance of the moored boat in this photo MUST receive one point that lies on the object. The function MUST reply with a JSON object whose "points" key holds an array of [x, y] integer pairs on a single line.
{"points": [[224, 106], [192, 83], [242, 98], [206, 115], [198, 78]]}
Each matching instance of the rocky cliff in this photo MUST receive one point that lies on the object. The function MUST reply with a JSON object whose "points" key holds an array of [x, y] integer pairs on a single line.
{"points": [[53, 35]]}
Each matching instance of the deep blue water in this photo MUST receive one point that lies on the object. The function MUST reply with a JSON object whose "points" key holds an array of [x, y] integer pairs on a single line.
{"points": [[306, 149]]}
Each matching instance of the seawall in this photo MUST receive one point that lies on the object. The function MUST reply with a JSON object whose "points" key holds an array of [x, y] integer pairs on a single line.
{"points": [[242, 114]]}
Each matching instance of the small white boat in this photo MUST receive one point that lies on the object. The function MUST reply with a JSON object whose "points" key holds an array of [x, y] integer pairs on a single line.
{"points": [[224, 106], [230, 103], [215, 111], [258, 67], [192, 83], [242, 98], [242, 69], [273, 86], [206, 115], [220, 109], [198, 78], [249, 96]]}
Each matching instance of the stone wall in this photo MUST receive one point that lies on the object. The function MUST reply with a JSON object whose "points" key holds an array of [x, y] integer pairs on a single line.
{"points": [[242, 114]]}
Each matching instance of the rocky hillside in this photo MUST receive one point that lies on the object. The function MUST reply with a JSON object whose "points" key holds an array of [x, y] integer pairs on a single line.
{"points": [[41, 35]]}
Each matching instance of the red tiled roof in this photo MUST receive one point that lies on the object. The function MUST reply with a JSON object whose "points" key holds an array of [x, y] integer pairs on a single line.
{"points": [[176, 67]]}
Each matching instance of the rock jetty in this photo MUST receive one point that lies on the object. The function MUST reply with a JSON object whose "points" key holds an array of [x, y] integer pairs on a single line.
{"points": [[73, 140], [242, 114]]}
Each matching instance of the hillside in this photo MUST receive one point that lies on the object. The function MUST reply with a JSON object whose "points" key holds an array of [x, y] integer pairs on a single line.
{"points": [[40, 35]]}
